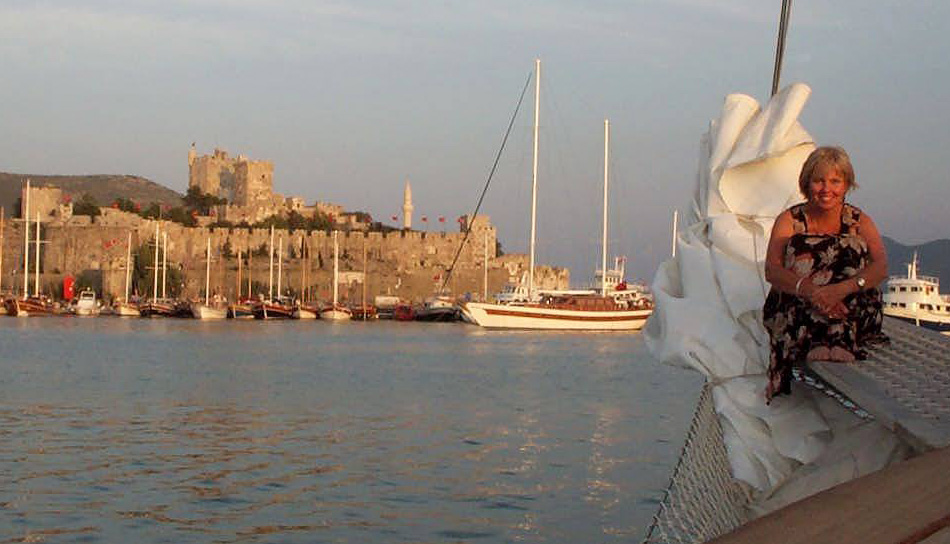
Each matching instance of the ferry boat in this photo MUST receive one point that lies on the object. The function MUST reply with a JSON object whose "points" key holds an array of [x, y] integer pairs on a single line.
{"points": [[916, 298]]}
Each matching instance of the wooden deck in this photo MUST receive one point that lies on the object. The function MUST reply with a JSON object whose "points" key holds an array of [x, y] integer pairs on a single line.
{"points": [[905, 386], [907, 503]]}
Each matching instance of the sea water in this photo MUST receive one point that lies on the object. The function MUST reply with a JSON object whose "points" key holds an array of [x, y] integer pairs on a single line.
{"points": [[181, 431]]}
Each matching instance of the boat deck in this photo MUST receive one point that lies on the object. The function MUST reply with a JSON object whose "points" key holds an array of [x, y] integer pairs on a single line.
{"points": [[905, 386]]}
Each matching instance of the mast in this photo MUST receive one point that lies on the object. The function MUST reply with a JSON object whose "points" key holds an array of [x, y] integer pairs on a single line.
{"points": [[2, 209], [164, 263], [780, 45], [485, 271], [26, 244], [280, 262], [303, 271], [240, 260], [207, 270], [534, 175], [336, 267], [128, 266], [363, 301], [603, 249], [155, 266], [250, 268], [270, 278], [36, 273]]}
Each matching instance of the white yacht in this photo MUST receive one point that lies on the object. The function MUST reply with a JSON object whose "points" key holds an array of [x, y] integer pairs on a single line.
{"points": [[916, 299], [87, 304]]}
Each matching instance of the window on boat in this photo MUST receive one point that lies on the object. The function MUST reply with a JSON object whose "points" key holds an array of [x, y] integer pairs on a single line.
{"points": [[903, 289], [902, 305], [914, 289], [892, 289]]}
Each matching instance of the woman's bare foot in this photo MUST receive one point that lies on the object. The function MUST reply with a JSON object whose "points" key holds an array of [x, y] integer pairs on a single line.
{"points": [[820, 353], [841, 355]]}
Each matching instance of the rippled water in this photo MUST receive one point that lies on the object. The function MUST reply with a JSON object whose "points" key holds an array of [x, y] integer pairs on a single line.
{"points": [[181, 431]]}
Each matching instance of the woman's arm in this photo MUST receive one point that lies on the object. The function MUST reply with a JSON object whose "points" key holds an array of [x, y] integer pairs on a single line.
{"points": [[776, 274], [875, 271]]}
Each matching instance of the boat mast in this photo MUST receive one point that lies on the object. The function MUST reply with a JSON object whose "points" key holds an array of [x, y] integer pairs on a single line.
{"points": [[270, 278], [128, 266], [780, 45], [485, 271], [336, 266], [26, 244], [534, 175], [250, 268], [155, 266], [2, 209], [363, 301], [303, 272], [280, 262], [603, 249], [164, 263], [36, 273], [207, 270], [240, 260]]}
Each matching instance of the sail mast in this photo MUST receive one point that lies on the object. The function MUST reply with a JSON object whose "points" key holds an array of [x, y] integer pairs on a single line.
{"points": [[2, 209], [280, 262], [164, 263], [603, 249], [26, 244], [534, 175], [36, 273], [155, 266], [336, 266], [128, 266], [270, 278], [675, 217], [207, 270]]}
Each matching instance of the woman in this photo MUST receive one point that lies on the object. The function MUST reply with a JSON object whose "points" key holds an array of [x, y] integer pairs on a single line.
{"points": [[825, 260]]}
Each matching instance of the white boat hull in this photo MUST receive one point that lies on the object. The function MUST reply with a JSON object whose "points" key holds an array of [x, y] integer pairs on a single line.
{"points": [[201, 311], [305, 313], [336, 314], [125, 309], [501, 316]]}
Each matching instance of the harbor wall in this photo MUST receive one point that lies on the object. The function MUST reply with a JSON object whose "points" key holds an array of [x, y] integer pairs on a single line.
{"points": [[410, 264]]}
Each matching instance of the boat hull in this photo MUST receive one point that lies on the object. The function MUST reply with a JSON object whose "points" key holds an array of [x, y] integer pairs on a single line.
{"points": [[241, 311], [158, 309], [306, 312], [500, 316], [202, 311], [337, 313], [30, 307], [922, 319], [126, 309], [273, 311]]}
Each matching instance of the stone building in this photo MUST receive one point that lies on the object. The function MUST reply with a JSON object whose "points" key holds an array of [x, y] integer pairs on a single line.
{"points": [[247, 185], [49, 202]]}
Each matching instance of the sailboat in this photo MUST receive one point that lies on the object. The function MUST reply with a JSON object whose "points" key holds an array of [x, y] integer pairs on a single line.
{"points": [[335, 311], [304, 308], [37, 305], [216, 309], [124, 307], [560, 311], [159, 306], [242, 307], [274, 307]]}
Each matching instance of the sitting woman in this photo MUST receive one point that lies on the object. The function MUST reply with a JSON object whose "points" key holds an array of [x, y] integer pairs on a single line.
{"points": [[825, 260]]}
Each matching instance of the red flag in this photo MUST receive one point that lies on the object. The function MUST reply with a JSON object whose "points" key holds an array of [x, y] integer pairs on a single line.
{"points": [[461, 220], [425, 219], [67, 199], [395, 218], [441, 219]]}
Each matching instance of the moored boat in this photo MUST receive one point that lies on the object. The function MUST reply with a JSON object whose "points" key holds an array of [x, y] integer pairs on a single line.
{"points": [[281, 308], [86, 304], [159, 307], [123, 308], [242, 309], [29, 307], [306, 311], [916, 299], [438, 308], [364, 313], [335, 311]]}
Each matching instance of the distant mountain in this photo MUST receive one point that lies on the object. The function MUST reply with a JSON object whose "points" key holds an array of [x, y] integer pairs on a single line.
{"points": [[103, 188], [933, 258]]}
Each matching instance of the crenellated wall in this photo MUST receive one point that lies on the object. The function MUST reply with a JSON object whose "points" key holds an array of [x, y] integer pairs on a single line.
{"points": [[411, 264]]}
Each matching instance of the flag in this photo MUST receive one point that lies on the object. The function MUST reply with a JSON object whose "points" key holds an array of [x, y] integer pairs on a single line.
{"points": [[395, 218], [425, 219], [461, 220], [441, 219]]}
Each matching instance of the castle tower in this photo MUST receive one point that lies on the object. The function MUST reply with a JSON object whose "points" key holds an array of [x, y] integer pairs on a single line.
{"points": [[192, 155], [407, 207]]}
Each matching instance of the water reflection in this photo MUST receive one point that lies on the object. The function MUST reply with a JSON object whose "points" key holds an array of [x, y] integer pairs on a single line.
{"points": [[165, 430]]}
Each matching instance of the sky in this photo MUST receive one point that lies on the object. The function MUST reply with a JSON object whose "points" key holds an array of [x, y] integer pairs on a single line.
{"points": [[350, 99]]}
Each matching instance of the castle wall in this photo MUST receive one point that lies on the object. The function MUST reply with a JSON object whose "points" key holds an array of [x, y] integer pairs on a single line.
{"points": [[45, 200], [255, 184]]}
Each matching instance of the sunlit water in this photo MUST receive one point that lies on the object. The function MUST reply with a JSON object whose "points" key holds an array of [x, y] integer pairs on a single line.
{"points": [[177, 431]]}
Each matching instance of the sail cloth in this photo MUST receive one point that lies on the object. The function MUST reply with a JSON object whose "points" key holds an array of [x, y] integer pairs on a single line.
{"points": [[709, 300]]}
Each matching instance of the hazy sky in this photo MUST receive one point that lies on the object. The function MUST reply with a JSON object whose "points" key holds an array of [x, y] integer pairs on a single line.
{"points": [[351, 98]]}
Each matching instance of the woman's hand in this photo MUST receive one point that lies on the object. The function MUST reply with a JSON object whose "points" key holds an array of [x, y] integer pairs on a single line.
{"points": [[829, 299]]}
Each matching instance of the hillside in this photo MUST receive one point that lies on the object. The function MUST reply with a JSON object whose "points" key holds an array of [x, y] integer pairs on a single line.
{"points": [[103, 188]]}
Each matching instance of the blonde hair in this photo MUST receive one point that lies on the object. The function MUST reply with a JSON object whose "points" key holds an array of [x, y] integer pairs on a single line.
{"points": [[828, 155]]}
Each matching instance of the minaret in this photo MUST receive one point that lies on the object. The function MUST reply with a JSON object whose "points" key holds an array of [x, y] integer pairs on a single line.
{"points": [[407, 207]]}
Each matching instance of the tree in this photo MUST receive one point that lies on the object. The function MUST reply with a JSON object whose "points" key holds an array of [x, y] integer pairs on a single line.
{"points": [[195, 200], [87, 205]]}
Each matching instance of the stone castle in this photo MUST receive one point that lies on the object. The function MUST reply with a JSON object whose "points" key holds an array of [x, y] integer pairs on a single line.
{"points": [[407, 263]]}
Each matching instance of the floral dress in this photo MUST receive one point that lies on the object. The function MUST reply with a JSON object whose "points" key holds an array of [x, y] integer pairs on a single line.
{"points": [[796, 327]]}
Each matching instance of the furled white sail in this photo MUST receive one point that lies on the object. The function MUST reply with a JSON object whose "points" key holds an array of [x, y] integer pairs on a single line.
{"points": [[709, 299]]}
